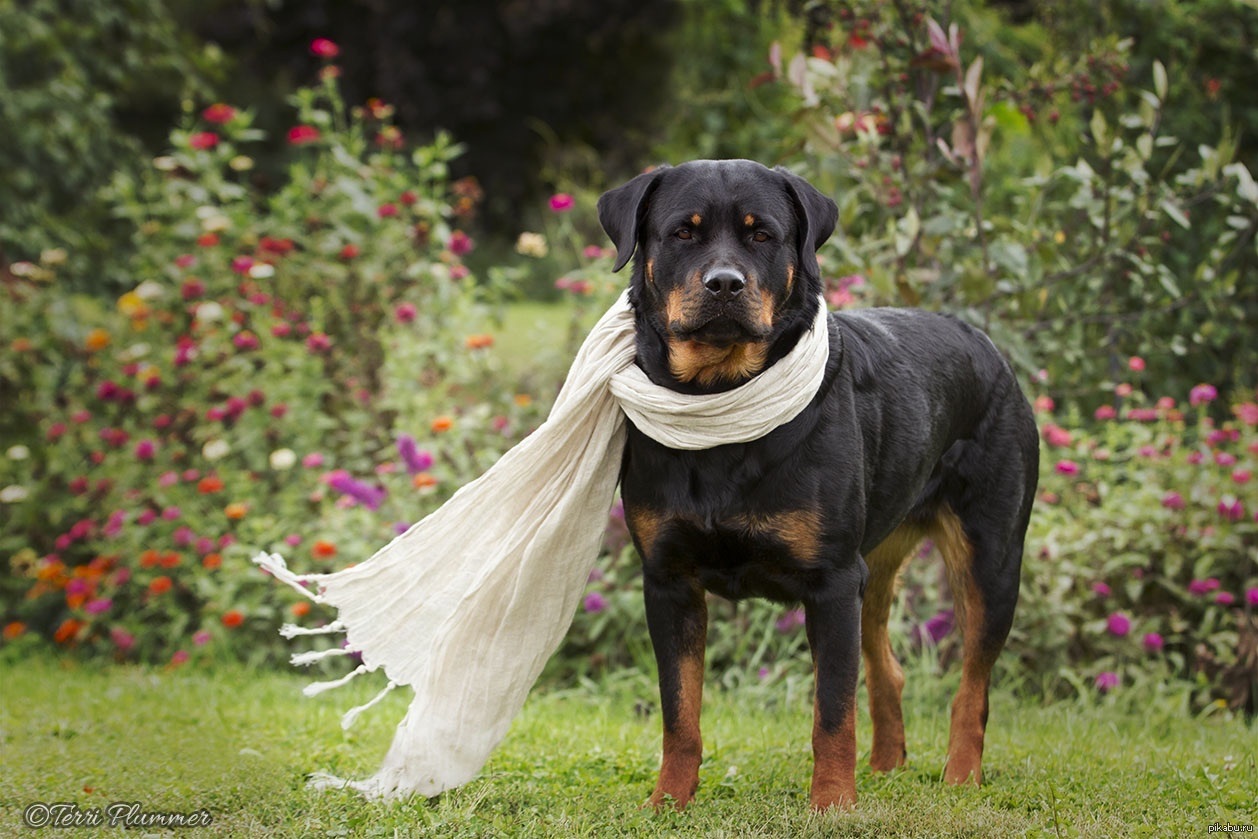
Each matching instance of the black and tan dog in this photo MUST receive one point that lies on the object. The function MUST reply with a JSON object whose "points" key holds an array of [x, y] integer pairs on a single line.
{"points": [[919, 430]]}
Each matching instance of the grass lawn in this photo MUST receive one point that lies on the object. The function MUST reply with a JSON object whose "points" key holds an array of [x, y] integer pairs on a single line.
{"points": [[237, 743]]}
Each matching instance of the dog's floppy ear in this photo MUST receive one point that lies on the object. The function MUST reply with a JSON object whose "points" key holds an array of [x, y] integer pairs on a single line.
{"points": [[622, 209], [817, 215]]}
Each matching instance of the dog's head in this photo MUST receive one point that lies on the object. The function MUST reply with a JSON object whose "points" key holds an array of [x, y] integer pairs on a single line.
{"points": [[726, 276]]}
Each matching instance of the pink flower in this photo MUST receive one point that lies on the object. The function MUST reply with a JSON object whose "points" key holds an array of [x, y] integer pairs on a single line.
{"points": [[145, 449], [1118, 624], [405, 312], [1224, 459], [98, 606], [1173, 501], [1153, 642], [387, 210], [1107, 681], [592, 252], [203, 140], [312, 461], [1044, 405], [242, 264], [1251, 596], [323, 48], [561, 202], [122, 639], [292, 540], [1055, 435], [1241, 476], [1123, 390], [300, 135], [1067, 467], [1135, 363], [792, 620], [594, 603], [1101, 589], [219, 113], [246, 340], [179, 658], [319, 342], [1105, 412], [1196, 457], [201, 638], [460, 243], [1202, 394], [1225, 598], [1247, 413]]}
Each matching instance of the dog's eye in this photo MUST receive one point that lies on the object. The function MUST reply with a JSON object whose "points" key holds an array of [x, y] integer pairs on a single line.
{"points": [[760, 236], [683, 233]]}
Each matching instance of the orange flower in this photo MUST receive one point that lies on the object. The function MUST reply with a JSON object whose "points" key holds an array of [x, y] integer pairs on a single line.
{"points": [[13, 630], [233, 619], [424, 481], [96, 340], [150, 559], [76, 600], [169, 559], [442, 423], [323, 549], [66, 632], [21, 345], [160, 585], [236, 510], [522, 400], [479, 342], [210, 484], [300, 609], [212, 561]]}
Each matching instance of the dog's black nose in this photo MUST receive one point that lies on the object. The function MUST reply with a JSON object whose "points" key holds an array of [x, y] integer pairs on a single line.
{"points": [[725, 283]]}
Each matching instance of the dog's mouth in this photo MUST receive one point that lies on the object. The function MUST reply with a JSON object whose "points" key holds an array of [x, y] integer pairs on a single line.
{"points": [[720, 329]]}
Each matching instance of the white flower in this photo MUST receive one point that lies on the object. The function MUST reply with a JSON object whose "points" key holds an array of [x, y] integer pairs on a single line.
{"points": [[215, 449], [149, 290], [261, 270], [13, 493], [215, 224], [531, 244], [240, 163], [283, 459], [18, 453], [209, 311], [165, 163]]}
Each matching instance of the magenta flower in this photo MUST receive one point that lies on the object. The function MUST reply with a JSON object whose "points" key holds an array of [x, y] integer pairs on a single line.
{"points": [[387, 210], [1135, 363], [1107, 681], [242, 264], [1225, 598], [416, 459], [1173, 501], [1105, 412], [1101, 589], [937, 627], [171, 513], [594, 603], [1153, 642], [1224, 459], [1203, 586], [179, 657], [98, 606], [147, 517], [1055, 435], [1231, 508], [1202, 394], [312, 461], [460, 243], [1251, 596], [246, 340], [369, 496], [1241, 476], [145, 449], [201, 638], [561, 202], [790, 621], [1067, 467], [319, 342], [323, 48], [292, 540], [122, 639], [1118, 624], [1247, 413]]}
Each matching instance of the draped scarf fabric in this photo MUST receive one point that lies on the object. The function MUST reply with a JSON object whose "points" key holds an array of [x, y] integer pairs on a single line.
{"points": [[467, 605]]}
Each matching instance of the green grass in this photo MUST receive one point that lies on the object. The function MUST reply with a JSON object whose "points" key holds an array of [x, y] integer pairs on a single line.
{"points": [[238, 743]]}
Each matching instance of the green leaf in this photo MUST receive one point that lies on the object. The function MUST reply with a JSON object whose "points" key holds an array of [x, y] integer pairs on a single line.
{"points": [[1159, 80], [1176, 214]]}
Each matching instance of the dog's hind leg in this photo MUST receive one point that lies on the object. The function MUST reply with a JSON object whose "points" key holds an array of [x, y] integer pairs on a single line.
{"points": [[981, 542], [884, 679]]}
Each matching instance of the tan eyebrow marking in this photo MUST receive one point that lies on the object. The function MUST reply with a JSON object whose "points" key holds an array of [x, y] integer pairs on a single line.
{"points": [[749, 220], [696, 219]]}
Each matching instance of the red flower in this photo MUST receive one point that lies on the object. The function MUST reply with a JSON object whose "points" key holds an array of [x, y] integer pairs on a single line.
{"points": [[209, 485], [460, 243], [387, 210], [160, 585], [350, 251], [203, 140], [324, 48], [219, 113], [300, 135], [561, 202], [232, 619]]}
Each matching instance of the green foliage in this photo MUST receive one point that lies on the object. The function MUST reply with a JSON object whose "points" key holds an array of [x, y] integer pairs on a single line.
{"points": [[80, 83]]}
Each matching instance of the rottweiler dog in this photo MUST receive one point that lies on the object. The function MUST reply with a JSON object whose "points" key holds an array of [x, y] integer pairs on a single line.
{"points": [[918, 431]]}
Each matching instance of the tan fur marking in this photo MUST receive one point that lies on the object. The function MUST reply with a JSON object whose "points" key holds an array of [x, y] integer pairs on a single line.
{"points": [[765, 313], [800, 530], [790, 278], [650, 271], [675, 306], [696, 219], [834, 762], [749, 220], [969, 707], [884, 679], [644, 525], [691, 361], [683, 746]]}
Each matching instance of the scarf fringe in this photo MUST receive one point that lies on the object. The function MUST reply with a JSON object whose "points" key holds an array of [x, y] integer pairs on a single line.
{"points": [[316, 688], [292, 630], [278, 568], [351, 716], [307, 658]]}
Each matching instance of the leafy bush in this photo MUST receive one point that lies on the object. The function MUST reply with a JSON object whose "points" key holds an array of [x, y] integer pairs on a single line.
{"points": [[299, 372], [1047, 205]]}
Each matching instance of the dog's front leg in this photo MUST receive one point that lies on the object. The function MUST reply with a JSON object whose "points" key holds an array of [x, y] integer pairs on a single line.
{"points": [[677, 617], [833, 624]]}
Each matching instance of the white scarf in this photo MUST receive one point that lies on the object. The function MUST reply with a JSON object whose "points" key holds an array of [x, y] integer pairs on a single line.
{"points": [[468, 604]]}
